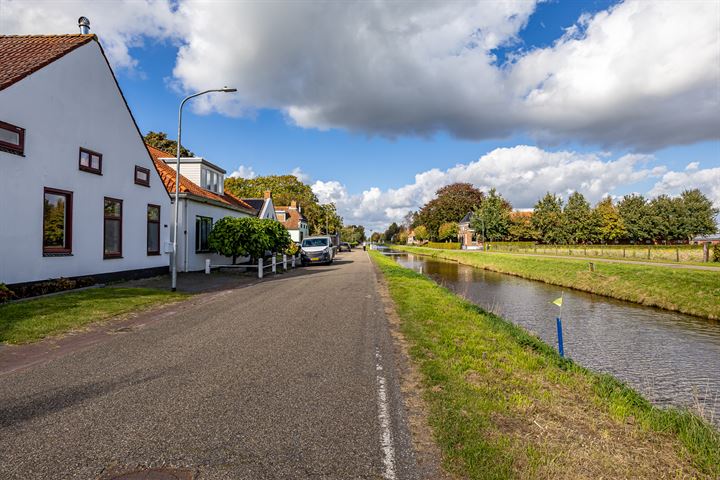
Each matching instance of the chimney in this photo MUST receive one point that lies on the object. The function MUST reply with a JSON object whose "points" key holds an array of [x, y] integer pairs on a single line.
{"points": [[84, 25], [293, 204], [267, 194]]}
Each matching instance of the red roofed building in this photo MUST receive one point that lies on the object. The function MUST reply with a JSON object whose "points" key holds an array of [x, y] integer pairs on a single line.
{"points": [[200, 205], [293, 220], [79, 194]]}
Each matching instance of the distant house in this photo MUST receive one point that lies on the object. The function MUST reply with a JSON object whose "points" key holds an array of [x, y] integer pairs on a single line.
{"points": [[79, 193], [201, 205], [411, 237], [466, 235], [294, 221], [711, 239], [263, 206]]}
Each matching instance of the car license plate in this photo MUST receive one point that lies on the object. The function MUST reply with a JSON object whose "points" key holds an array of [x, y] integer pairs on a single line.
{"points": [[315, 259]]}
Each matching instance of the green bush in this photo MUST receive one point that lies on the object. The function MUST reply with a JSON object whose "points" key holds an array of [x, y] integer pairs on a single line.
{"points": [[716, 253], [444, 245], [248, 237], [48, 286], [5, 293]]}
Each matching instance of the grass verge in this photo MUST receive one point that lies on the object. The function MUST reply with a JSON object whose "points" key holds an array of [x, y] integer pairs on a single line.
{"points": [[31, 320], [503, 404], [695, 292]]}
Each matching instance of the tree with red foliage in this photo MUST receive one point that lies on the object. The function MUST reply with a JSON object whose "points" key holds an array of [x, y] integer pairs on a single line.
{"points": [[451, 204]]}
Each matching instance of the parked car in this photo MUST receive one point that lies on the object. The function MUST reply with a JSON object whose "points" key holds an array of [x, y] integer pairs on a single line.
{"points": [[317, 250], [344, 246]]}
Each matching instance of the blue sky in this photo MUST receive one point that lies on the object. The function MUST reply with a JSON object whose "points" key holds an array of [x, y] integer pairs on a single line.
{"points": [[525, 97]]}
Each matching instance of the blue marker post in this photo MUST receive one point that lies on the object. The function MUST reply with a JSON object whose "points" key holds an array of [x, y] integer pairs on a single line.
{"points": [[560, 339]]}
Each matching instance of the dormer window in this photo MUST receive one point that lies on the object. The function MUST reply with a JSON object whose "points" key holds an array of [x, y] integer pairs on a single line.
{"points": [[211, 180], [90, 161], [12, 138]]}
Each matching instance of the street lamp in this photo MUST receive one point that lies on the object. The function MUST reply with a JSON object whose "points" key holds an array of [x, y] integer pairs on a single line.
{"points": [[177, 177]]}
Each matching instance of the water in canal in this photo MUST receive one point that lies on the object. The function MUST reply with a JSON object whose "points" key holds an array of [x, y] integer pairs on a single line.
{"points": [[671, 358]]}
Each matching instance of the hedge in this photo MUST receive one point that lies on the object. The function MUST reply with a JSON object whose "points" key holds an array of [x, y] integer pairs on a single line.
{"points": [[444, 245]]}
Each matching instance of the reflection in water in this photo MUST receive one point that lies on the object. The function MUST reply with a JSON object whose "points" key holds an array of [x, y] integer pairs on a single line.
{"points": [[671, 358]]}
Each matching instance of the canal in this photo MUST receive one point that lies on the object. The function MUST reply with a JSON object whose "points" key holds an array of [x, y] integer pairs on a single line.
{"points": [[671, 358]]}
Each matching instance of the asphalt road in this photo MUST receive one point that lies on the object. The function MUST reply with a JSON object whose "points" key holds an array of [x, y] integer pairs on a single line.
{"points": [[290, 378]]}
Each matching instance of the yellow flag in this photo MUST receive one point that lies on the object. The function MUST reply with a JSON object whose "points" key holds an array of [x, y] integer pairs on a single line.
{"points": [[558, 302]]}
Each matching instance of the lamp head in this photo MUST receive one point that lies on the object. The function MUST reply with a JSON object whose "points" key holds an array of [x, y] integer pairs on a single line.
{"points": [[228, 90]]}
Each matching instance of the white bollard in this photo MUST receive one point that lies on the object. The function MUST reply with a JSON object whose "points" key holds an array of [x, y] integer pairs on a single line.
{"points": [[284, 261], [207, 265], [293, 261], [274, 263], [260, 267]]}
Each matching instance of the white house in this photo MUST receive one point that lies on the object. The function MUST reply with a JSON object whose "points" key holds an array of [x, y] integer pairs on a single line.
{"points": [[264, 206], [201, 204], [79, 193], [294, 221]]}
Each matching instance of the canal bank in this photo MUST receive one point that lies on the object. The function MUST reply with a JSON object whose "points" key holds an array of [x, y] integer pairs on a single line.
{"points": [[504, 404], [689, 291]]}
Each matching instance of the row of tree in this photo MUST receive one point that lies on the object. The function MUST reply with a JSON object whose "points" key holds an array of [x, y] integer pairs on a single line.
{"points": [[352, 234], [633, 219]]}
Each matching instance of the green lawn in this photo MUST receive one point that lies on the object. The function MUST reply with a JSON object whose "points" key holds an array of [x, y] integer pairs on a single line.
{"points": [[503, 404], [31, 320], [696, 292]]}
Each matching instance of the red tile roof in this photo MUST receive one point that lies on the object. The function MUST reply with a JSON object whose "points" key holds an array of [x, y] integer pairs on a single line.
{"points": [[22, 55], [167, 174], [292, 220]]}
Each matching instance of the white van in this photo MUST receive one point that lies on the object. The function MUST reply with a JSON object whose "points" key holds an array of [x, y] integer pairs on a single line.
{"points": [[317, 249]]}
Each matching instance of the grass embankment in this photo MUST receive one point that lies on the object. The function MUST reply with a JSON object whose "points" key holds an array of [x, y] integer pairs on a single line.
{"points": [[503, 404], [696, 292], [31, 320]]}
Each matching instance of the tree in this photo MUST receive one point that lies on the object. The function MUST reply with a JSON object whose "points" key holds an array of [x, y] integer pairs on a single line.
{"points": [[285, 189], [390, 233], [247, 236], [375, 237], [451, 204], [699, 215], [547, 219], [579, 223], [353, 234], [159, 140], [666, 213], [521, 228], [328, 221], [448, 231], [409, 219], [421, 233], [492, 218], [402, 237], [611, 224], [279, 237], [637, 218]]}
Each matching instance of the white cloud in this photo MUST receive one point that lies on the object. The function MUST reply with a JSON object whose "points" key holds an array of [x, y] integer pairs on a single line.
{"points": [[641, 74], [692, 166], [122, 25], [300, 175], [707, 180], [522, 174], [243, 172]]}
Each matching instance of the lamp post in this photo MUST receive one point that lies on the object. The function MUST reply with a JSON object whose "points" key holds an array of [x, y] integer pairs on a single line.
{"points": [[177, 178]]}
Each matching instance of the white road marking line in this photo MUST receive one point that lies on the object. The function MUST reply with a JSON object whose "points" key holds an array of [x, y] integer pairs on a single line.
{"points": [[386, 438]]}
